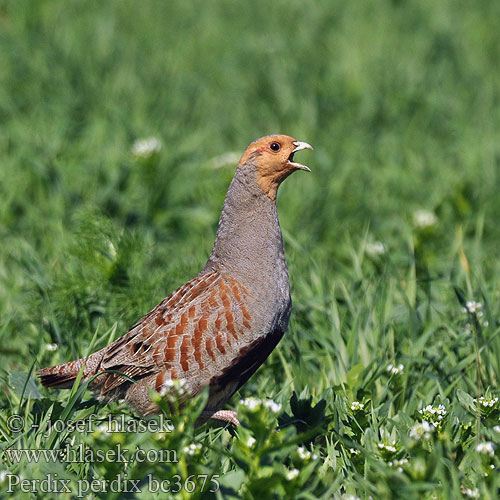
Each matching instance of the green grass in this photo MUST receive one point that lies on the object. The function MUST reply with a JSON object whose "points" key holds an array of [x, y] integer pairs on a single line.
{"points": [[401, 102]]}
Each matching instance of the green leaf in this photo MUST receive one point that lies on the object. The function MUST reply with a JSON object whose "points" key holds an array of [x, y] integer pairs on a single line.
{"points": [[23, 386], [231, 482], [466, 400], [353, 376]]}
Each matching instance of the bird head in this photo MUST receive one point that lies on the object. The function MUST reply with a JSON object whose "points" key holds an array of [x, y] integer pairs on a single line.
{"points": [[273, 157]]}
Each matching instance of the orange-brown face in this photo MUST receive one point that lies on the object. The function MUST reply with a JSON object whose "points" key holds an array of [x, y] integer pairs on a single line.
{"points": [[273, 156]]}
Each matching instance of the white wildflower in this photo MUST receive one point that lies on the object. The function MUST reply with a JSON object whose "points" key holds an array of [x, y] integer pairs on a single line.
{"points": [[3, 475], [473, 307], [397, 464], [486, 402], [174, 388], [255, 403], [487, 448], [422, 430], [229, 158], [51, 347], [353, 451], [375, 248], [433, 414], [395, 370], [424, 218], [102, 429], [250, 441], [292, 474], [303, 453], [251, 403], [388, 447], [497, 428], [192, 449], [471, 492], [272, 405], [356, 406], [144, 148]]}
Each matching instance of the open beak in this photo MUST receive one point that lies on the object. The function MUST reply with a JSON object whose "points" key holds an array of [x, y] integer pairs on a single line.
{"points": [[298, 147]]}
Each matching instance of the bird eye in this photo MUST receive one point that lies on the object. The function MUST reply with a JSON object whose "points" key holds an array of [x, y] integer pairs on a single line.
{"points": [[275, 146]]}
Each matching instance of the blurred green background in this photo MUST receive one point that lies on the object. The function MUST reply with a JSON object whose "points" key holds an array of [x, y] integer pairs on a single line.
{"points": [[401, 100]]}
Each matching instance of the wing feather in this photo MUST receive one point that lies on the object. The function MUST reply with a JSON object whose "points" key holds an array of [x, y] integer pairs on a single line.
{"points": [[166, 337]]}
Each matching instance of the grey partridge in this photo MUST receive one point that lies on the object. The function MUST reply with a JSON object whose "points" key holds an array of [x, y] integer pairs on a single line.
{"points": [[218, 328]]}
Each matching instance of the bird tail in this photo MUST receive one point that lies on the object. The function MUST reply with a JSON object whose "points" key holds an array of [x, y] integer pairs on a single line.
{"points": [[61, 376]]}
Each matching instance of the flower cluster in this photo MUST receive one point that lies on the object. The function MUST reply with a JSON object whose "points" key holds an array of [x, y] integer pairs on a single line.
{"points": [[422, 430], [473, 307], [376, 248], [144, 148], [250, 441], [292, 474], [424, 218], [486, 448], [398, 464], [272, 405], [486, 402], [174, 388], [357, 406], [192, 449], [433, 414], [387, 447], [51, 347], [487, 405], [395, 370], [471, 492], [254, 404], [251, 403], [305, 455]]}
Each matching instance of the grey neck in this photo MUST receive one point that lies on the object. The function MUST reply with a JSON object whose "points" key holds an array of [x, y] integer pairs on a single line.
{"points": [[249, 242]]}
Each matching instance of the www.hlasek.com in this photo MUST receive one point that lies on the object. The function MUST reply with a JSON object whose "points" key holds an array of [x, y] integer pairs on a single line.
{"points": [[86, 454], [121, 484]]}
